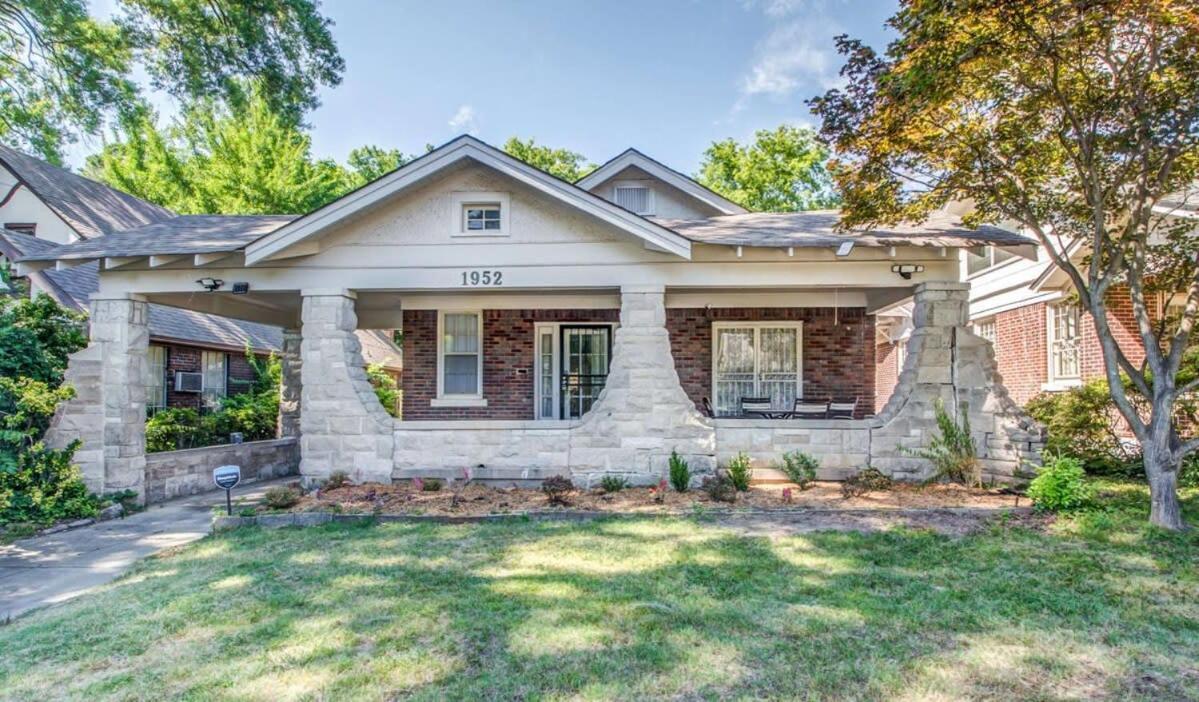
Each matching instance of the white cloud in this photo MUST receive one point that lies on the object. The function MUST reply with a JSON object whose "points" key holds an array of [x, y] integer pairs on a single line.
{"points": [[465, 120], [797, 54]]}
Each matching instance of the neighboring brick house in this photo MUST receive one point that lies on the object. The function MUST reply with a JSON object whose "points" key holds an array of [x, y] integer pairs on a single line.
{"points": [[43, 206]]}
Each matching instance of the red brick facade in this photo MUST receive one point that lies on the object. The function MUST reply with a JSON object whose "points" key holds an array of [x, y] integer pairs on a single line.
{"points": [[239, 373], [508, 362], [886, 372], [838, 359]]}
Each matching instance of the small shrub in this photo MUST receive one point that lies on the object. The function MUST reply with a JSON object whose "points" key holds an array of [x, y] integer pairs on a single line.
{"points": [[1060, 485], [1082, 422], [868, 480], [280, 497], [680, 472], [952, 451], [658, 492], [557, 488], [800, 468], [431, 485], [458, 487], [385, 388], [613, 483], [740, 472], [338, 478], [720, 488]]}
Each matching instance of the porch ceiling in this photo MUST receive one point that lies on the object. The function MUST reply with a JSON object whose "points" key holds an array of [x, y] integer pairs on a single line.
{"points": [[280, 309]]}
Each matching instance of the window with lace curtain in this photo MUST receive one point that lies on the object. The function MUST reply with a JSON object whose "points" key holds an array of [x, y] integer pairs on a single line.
{"points": [[756, 359], [1063, 342]]}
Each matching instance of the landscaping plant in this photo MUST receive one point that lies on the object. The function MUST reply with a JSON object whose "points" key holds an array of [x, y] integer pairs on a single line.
{"points": [[557, 488], [740, 472], [457, 487], [430, 484], [336, 479], [1081, 422], [280, 497], [1060, 484], [952, 451], [800, 468], [680, 472], [868, 480], [613, 483], [385, 388], [719, 487]]}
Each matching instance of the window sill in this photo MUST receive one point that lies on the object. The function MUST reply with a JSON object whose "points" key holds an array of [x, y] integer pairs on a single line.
{"points": [[458, 402], [493, 234], [1061, 385]]}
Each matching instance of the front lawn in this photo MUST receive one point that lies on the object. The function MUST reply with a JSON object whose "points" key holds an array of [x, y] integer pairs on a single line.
{"points": [[634, 609]]}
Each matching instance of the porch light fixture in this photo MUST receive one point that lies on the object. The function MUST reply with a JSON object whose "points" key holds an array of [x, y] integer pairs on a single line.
{"points": [[211, 284], [905, 270]]}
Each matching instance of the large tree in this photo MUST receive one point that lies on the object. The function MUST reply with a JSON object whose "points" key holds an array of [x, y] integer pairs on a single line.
{"points": [[63, 72], [1074, 119], [244, 159], [563, 163], [783, 170]]}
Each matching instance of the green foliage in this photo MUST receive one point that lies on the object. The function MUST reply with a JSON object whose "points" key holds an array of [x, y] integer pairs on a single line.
{"points": [[44, 487], [1060, 485], [952, 451], [562, 163], [680, 472], [385, 387], [613, 483], [740, 472], [64, 72], [36, 337], [800, 468], [431, 485], [338, 478], [719, 487], [280, 497], [368, 163], [557, 489], [781, 171], [254, 414], [868, 480], [1081, 422]]}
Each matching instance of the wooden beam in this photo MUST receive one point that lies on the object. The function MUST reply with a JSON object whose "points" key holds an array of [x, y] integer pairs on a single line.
{"points": [[111, 262], [162, 260], [24, 269], [204, 259], [64, 264]]}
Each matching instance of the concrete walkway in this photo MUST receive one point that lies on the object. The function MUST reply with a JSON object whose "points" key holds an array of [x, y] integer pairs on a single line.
{"points": [[46, 570]]}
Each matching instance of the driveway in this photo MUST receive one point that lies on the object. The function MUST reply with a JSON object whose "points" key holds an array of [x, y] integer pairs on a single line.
{"points": [[46, 570]]}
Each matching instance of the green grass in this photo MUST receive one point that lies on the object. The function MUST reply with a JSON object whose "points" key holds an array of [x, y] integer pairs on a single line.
{"points": [[634, 609]]}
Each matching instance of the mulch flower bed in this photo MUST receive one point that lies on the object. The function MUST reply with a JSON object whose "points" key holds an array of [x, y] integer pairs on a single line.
{"points": [[479, 500]]}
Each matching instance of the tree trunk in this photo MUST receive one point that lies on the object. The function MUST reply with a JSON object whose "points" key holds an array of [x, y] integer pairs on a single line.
{"points": [[1165, 510]]}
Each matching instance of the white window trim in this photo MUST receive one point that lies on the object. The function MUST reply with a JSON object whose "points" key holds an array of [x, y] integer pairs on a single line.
{"points": [[556, 327], [650, 200], [1054, 382], [757, 327], [162, 377], [204, 387], [462, 199], [465, 400]]}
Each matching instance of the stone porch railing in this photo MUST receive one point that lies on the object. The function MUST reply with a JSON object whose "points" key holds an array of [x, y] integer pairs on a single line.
{"points": [[189, 471]]}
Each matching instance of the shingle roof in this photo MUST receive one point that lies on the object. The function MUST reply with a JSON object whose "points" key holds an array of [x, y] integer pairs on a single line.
{"points": [[72, 286], [377, 347], [817, 228], [92, 209], [185, 234]]}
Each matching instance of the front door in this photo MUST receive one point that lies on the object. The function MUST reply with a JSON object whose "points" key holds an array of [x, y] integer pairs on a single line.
{"points": [[586, 355]]}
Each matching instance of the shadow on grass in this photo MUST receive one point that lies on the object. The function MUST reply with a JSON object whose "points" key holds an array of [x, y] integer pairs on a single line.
{"points": [[623, 608]]}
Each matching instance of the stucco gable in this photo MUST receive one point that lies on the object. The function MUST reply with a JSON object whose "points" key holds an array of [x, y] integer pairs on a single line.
{"points": [[682, 192]]}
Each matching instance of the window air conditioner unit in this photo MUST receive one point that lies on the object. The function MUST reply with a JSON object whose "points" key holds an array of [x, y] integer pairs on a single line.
{"points": [[189, 382]]}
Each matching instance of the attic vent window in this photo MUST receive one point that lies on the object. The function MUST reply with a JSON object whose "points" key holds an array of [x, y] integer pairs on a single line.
{"points": [[478, 214], [479, 218], [635, 198]]}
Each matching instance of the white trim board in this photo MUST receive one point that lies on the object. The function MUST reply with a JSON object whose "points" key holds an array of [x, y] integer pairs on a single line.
{"points": [[278, 243]]}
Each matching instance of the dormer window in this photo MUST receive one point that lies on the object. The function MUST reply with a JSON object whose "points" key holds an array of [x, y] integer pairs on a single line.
{"points": [[634, 197], [480, 214]]}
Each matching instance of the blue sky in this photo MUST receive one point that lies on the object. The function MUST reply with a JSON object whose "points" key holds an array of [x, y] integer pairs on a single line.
{"points": [[666, 76]]}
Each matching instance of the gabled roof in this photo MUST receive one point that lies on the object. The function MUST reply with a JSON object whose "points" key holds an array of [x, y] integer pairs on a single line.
{"points": [[419, 170], [89, 208], [633, 157]]}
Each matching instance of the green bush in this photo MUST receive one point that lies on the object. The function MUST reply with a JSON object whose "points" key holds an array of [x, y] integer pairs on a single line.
{"points": [[385, 388], [1060, 485], [45, 487], [680, 472], [740, 472], [800, 468], [720, 488], [868, 480], [431, 485], [613, 483], [1081, 422], [280, 497], [557, 489], [952, 451]]}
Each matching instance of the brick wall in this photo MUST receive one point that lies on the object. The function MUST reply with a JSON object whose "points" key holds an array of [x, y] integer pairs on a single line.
{"points": [[186, 359], [508, 362], [1021, 353], [838, 359], [886, 372]]}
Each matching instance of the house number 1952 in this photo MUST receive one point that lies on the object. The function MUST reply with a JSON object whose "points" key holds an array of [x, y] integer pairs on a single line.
{"points": [[479, 278]]}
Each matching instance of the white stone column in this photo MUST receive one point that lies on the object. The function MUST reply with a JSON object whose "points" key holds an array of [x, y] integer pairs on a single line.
{"points": [[108, 413], [643, 413], [342, 425], [290, 384], [946, 361]]}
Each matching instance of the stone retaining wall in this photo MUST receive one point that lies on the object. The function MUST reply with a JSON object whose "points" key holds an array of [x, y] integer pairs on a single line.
{"points": [[841, 445], [503, 451], [178, 473]]}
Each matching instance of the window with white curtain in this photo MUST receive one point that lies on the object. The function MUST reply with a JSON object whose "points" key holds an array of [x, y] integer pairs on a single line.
{"points": [[460, 360], [1063, 342], [212, 364], [756, 359], [156, 372]]}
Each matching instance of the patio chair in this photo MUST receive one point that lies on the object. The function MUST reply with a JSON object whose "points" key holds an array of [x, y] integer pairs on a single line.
{"points": [[842, 409], [810, 409], [756, 405]]}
